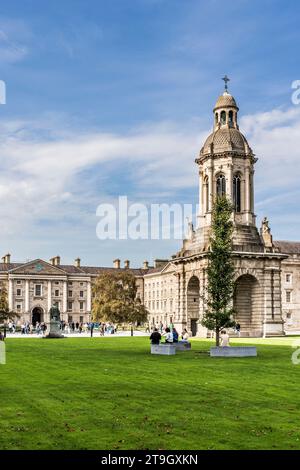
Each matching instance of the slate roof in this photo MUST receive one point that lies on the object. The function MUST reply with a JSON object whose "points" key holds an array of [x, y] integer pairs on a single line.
{"points": [[71, 269], [288, 247]]}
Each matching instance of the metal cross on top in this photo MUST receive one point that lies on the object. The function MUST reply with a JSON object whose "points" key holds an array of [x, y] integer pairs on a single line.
{"points": [[226, 80]]}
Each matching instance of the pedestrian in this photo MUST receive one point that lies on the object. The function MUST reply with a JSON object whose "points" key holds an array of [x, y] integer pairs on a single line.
{"points": [[238, 329], [92, 329]]}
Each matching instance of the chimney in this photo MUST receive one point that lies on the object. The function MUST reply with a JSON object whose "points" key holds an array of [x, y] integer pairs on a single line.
{"points": [[117, 263], [77, 262], [146, 265], [55, 261], [6, 259], [126, 264]]}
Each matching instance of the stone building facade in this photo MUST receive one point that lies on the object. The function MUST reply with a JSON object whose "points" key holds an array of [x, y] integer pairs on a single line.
{"points": [[35, 286], [267, 273]]}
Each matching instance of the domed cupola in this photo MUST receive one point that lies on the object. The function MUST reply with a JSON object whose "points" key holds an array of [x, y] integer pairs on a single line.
{"points": [[226, 136]]}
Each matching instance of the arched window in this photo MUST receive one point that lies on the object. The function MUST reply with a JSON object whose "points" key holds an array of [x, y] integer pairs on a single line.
{"points": [[230, 117], [217, 118], [237, 193], [223, 117], [221, 185]]}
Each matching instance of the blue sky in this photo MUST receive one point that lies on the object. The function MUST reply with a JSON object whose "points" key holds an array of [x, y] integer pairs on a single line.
{"points": [[115, 97]]}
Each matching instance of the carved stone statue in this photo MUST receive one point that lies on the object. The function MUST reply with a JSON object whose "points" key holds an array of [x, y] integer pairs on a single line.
{"points": [[265, 226], [55, 323], [265, 232], [54, 313]]}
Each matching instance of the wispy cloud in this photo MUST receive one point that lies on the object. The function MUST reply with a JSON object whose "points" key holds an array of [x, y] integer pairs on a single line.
{"points": [[14, 35], [49, 177]]}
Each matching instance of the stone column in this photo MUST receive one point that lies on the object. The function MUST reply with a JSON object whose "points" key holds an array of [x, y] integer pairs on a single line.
{"points": [[247, 193], [49, 300], [252, 191], [201, 330], [10, 295], [183, 300], [272, 322], [178, 296], [89, 297], [27, 296], [201, 208], [229, 182], [65, 297], [210, 188]]}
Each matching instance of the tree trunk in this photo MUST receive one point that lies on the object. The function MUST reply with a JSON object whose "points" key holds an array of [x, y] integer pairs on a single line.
{"points": [[217, 337]]}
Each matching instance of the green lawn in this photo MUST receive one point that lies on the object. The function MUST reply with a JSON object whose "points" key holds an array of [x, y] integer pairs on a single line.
{"points": [[110, 393]]}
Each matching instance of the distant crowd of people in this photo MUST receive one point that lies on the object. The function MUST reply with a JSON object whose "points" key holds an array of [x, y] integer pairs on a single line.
{"points": [[40, 328]]}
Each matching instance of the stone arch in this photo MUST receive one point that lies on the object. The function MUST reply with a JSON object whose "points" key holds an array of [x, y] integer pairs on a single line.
{"points": [[193, 304], [248, 305], [37, 315], [223, 117]]}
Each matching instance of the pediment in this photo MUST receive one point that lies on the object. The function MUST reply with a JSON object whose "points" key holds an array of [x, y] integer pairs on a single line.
{"points": [[38, 266], [168, 268]]}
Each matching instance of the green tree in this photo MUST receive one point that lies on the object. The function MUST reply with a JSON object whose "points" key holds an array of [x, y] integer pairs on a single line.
{"points": [[115, 300], [220, 272], [4, 310]]}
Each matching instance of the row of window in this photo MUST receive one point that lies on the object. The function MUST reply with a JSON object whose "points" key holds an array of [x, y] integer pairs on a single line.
{"points": [[225, 118], [19, 306], [163, 293], [158, 305], [221, 190], [38, 292], [151, 285], [57, 283]]}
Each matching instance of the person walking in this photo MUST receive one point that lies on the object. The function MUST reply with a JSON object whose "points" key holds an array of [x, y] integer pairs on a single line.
{"points": [[238, 329], [92, 329]]}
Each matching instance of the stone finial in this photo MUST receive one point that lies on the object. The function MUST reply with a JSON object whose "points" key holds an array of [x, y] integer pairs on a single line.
{"points": [[145, 264]]}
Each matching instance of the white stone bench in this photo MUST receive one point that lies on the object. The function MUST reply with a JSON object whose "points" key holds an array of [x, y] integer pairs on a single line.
{"points": [[183, 346], [165, 349], [233, 351]]}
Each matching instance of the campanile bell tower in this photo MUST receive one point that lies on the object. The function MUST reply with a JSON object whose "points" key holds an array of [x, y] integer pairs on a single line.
{"points": [[226, 166]]}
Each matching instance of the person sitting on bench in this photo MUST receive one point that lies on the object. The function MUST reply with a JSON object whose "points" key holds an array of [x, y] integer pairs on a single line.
{"points": [[155, 337], [168, 335]]}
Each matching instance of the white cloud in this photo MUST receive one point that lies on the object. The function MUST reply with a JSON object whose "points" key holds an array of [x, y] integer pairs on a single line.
{"points": [[46, 173]]}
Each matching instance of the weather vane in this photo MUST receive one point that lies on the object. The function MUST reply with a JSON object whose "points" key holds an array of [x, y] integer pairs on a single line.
{"points": [[226, 80]]}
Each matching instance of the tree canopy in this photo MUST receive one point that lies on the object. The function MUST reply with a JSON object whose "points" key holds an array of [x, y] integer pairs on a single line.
{"points": [[220, 272], [115, 300], [4, 310]]}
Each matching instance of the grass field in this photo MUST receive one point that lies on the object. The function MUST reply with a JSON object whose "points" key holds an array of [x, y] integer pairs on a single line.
{"points": [[110, 393]]}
